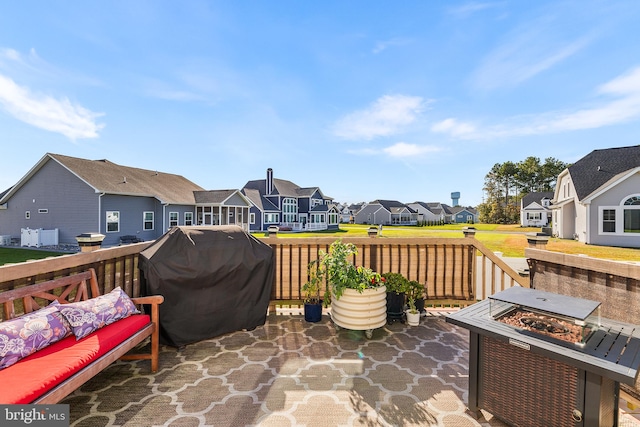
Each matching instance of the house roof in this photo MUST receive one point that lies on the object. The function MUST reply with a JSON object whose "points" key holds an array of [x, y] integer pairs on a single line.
{"points": [[392, 205], [260, 202], [108, 177], [216, 197], [536, 198], [282, 187], [598, 167], [458, 209]]}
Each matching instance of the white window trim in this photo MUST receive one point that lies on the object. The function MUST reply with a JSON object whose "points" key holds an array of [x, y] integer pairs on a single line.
{"points": [[107, 222], [190, 220], [177, 220], [252, 218], [144, 221], [619, 218]]}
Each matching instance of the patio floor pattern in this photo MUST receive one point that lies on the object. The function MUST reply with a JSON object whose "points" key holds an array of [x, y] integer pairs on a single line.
{"points": [[292, 373]]}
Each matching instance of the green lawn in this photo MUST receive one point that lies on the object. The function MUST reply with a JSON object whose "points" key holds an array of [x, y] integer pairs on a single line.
{"points": [[15, 255], [511, 240], [508, 239]]}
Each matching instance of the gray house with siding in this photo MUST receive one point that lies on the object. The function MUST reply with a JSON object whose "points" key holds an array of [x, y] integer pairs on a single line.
{"points": [[79, 196], [597, 199], [464, 215], [386, 212]]}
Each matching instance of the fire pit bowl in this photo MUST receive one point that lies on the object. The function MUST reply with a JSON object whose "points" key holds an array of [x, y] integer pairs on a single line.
{"points": [[567, 319]]}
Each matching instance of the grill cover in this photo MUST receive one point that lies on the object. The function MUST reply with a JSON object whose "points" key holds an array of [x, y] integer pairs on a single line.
{"points": [[214, 279]]}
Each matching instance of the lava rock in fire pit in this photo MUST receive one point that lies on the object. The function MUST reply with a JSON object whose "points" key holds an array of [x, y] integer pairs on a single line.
{"points": [[543, 325]]}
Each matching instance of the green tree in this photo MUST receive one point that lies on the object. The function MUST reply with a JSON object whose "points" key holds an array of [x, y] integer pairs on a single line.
{"points": [[506, 183]]}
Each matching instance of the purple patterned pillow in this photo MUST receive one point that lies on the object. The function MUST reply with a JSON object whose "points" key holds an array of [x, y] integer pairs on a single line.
{"points": [[31, 332], [88, 316]]}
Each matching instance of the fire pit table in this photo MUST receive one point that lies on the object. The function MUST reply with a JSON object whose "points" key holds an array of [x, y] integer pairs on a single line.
{"points": [[543, 359]]}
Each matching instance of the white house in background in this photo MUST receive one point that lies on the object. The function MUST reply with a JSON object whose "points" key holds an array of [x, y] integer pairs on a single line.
{"points": [[425, 213], [597, 199], [535, 209]]}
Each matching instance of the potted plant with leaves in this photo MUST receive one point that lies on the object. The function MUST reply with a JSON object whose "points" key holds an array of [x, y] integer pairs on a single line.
{"points": [[415, 292], [397, 286], [311, 290], [357, 294]]}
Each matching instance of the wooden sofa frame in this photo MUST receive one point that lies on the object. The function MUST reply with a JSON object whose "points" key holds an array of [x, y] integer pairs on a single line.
{"points": [[74, 288]]}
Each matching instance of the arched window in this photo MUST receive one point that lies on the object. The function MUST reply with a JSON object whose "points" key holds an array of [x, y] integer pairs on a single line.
{"points": [[631, 214], [634, 200]]}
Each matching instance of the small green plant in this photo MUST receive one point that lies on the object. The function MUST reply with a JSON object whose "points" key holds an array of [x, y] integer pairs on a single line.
{"points": [[312, 288], [337, 269], [415, 291], [395, 282]]}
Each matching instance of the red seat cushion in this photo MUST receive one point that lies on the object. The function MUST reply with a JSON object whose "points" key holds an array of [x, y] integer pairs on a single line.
{"points": [[41, 371]]}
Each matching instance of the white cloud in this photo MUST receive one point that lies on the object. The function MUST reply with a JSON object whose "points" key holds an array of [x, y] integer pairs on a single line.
{"points": [[384, 45], [386, 116], [526, 52], [626, 107], [453, 127], [472, 7], [402, 149], [45, 112]]}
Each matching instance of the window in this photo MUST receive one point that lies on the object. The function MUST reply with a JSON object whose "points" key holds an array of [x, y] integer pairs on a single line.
{"points": [[333, 218], [632, 215], [43, 211], [188, 218], [318, 218], [289, 209], [609, 221], [622, 219], [252, 218], [147, 220], [173, 219], [113, 221], [271, 218], [632, 220], [534, 216], [27, 215]]}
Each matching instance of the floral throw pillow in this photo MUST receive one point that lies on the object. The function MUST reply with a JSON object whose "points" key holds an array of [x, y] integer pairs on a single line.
{"points": [[88, 316], [31, 332]]}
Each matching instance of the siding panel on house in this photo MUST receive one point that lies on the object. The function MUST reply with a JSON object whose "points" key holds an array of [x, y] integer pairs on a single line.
{"points": [[131, 217], [71, 205], [613, 199]]}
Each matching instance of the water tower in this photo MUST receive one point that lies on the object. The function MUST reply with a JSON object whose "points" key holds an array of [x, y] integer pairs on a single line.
{"points": [[455, 198]]}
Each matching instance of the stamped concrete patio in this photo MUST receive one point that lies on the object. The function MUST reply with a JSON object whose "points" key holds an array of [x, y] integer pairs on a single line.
{"points": [[292, 373]]}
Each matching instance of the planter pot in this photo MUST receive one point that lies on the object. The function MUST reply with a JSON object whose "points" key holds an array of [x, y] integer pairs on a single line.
{"points": [[357, 311], [413, 319], [420, 305], [395, 302], [313, 312], [395, 306]]}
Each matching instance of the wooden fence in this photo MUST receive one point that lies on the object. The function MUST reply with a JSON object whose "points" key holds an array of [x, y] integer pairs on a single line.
{"points": [[456, 271]]}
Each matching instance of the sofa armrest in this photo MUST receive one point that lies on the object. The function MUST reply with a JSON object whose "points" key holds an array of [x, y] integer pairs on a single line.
{"points": [[154, 301]]}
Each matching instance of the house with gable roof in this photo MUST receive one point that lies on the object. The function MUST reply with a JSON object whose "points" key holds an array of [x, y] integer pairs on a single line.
{"points": [[535, 209], [280, 202], [77, 196], [464, 215], [597, 199], [386, 212]]}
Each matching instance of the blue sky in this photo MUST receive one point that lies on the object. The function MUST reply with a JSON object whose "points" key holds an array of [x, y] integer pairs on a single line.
{"points": [[367, 100]]}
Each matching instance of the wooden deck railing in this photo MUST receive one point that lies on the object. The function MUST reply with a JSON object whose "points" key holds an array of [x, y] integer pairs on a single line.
{"points": [[456, 271]]}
